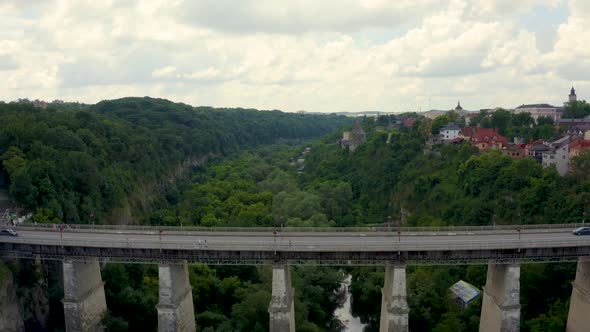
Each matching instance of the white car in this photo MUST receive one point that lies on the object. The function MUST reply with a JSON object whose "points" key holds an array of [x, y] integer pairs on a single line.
{"points": [[8, 232]]}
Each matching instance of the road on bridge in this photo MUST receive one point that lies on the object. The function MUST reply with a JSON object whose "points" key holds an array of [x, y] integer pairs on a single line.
{"points": [[302, 241]]}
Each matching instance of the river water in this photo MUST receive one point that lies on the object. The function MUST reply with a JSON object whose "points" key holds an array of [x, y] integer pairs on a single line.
{"points": [[343, 313]]}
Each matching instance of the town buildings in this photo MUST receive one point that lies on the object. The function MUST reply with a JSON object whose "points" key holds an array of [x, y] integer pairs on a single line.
{"points": [[553, 153], [535, 150], [558, 155], [484, 138], [579, 144], [539, 110]]}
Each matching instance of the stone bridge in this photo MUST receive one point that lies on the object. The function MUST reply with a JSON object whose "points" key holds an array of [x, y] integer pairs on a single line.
{"points": [[82, 248]]}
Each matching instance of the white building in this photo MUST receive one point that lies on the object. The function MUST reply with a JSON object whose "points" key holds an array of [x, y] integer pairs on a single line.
{"points": [[449, 132], [539, 110], [558, 155]]}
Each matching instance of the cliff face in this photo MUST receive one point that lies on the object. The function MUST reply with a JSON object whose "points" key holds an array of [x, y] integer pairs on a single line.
{"points": [[11, 318], [140, 203]]}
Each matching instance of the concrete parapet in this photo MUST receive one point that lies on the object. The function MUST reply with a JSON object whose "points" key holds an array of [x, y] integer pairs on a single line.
{"points": [[394, 303], [281, 309], [84, 300], [578, 318], [175, 308], [501, 300]]}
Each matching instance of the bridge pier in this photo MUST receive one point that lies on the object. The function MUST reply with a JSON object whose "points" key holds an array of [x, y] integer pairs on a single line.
{"points": [[500, 310], [175, 309], [394, 304], [578, 318], [84, 300], [281, 309]]}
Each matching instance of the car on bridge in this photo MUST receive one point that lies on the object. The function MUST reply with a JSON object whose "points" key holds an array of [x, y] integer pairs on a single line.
{"points": [[582, 231], [8, 232]]}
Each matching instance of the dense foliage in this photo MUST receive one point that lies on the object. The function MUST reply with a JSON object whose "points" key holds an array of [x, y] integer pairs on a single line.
{"points": [[390, 178], [576, 109], [225, 298], [449, 185], [76, 164], [456, 186]]}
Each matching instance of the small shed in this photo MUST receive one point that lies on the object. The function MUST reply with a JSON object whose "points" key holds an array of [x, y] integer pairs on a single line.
{"points": [[464, 292]]}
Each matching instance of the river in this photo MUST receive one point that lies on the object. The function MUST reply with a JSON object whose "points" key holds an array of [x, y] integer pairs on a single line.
{"points": [[343, 313]]}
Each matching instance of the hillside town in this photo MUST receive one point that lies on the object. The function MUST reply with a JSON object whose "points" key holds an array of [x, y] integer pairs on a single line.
{"points": [[572, 134]]}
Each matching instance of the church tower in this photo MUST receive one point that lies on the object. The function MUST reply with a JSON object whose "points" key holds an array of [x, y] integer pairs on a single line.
{"points": [[572, 96]]}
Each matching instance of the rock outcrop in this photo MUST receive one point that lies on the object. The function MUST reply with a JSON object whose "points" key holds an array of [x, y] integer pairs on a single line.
{"points": [[11, 318]]}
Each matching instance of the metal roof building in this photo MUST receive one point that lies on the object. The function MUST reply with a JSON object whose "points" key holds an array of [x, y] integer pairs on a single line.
{"points": [[464, 291]]}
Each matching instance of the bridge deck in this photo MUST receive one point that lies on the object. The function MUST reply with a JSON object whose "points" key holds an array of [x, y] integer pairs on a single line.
{"points": [[328, 247]]}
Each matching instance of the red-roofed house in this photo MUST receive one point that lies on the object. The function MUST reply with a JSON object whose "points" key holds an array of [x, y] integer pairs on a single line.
{"points": [[514, 151], [408, 122], [577, 145], [485, 138]]}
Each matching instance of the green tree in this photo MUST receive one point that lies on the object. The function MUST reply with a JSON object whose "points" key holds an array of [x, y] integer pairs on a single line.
{"points": [[576, 109], [544, 120], [523, 119], [450, 323], [439, 122], [580, 166], [545, 131], [252, 313], [501, 120]]}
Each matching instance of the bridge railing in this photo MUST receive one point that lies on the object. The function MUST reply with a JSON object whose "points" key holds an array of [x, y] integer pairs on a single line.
{"points": [[287, 246], [364, 229]]}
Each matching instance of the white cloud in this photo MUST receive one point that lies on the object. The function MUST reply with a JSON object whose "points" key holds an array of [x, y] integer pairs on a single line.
{"points": [[7, 62], [570, 57], [300, 16], [300, 54], [167, 71]]}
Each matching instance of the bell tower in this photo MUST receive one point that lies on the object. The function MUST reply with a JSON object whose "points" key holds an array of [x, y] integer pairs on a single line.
{"points": [[572, 96]]}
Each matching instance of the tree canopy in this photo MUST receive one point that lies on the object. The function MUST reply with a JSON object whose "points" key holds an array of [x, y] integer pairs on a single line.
{"points": [[78, 164]]}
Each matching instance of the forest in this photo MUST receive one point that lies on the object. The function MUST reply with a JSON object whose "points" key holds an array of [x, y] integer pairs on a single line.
{"points": [[450, 185], [78, 163], [260, 176]]}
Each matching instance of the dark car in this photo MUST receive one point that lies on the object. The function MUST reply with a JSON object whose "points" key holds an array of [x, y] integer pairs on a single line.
{"points": [[8, 232], [582, 231]]}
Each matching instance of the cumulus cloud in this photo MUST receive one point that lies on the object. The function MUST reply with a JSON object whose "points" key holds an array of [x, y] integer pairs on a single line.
{"points": [[332, 55], [301, 15], [7, 62], [167, 71], [569, 58]]}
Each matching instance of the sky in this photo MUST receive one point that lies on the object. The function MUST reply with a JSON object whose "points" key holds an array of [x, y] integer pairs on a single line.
{"points": [[312, 55]]}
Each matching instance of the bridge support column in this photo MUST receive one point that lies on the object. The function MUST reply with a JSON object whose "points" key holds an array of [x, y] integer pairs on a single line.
{"points": [[84, 300], [394, 304], [175, 309], [500, 310], [281, 309], [578, 318]]}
